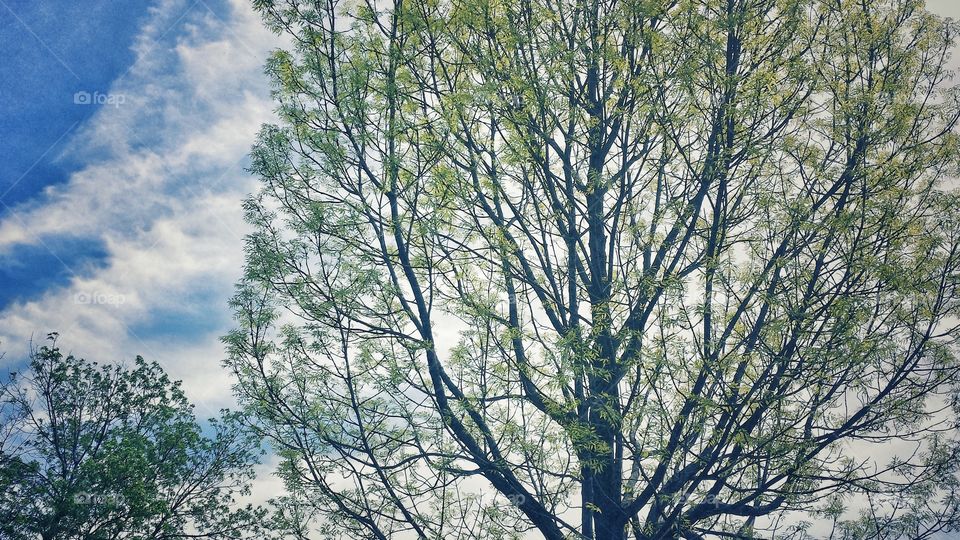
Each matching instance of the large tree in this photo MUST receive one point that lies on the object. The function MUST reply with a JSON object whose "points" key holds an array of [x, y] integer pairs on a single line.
{"points": [[110, 452], [607, 269]]}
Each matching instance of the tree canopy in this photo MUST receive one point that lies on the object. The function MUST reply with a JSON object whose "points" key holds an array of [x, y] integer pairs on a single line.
{"points": [[108, 452], [608, 269]]}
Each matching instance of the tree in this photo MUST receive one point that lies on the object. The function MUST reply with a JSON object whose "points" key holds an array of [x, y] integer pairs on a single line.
{"points": [[645, 268], [98, 452]]}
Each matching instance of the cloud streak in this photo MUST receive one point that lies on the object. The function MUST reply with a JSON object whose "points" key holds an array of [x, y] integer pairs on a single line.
{"points": [[160, 190]]}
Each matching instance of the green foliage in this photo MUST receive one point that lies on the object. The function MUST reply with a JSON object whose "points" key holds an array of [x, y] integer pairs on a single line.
{"points": [[109, 452]]}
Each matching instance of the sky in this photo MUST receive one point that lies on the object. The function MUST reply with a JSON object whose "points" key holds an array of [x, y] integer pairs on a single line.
{"points": [[124, 133]]}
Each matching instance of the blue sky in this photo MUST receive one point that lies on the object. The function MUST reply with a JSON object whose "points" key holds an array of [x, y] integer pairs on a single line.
{"points": [[52, 50], [124, 131]]}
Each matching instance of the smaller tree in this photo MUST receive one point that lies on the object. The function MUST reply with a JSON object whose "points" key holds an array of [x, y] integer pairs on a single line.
{"points": [[108, 452]]}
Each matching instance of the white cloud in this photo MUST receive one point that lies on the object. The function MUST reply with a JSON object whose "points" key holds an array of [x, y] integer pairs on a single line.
{"points": [[162, 189]]}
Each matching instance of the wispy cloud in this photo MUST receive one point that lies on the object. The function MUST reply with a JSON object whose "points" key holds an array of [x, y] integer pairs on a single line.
{"points": [[160, 190]]}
